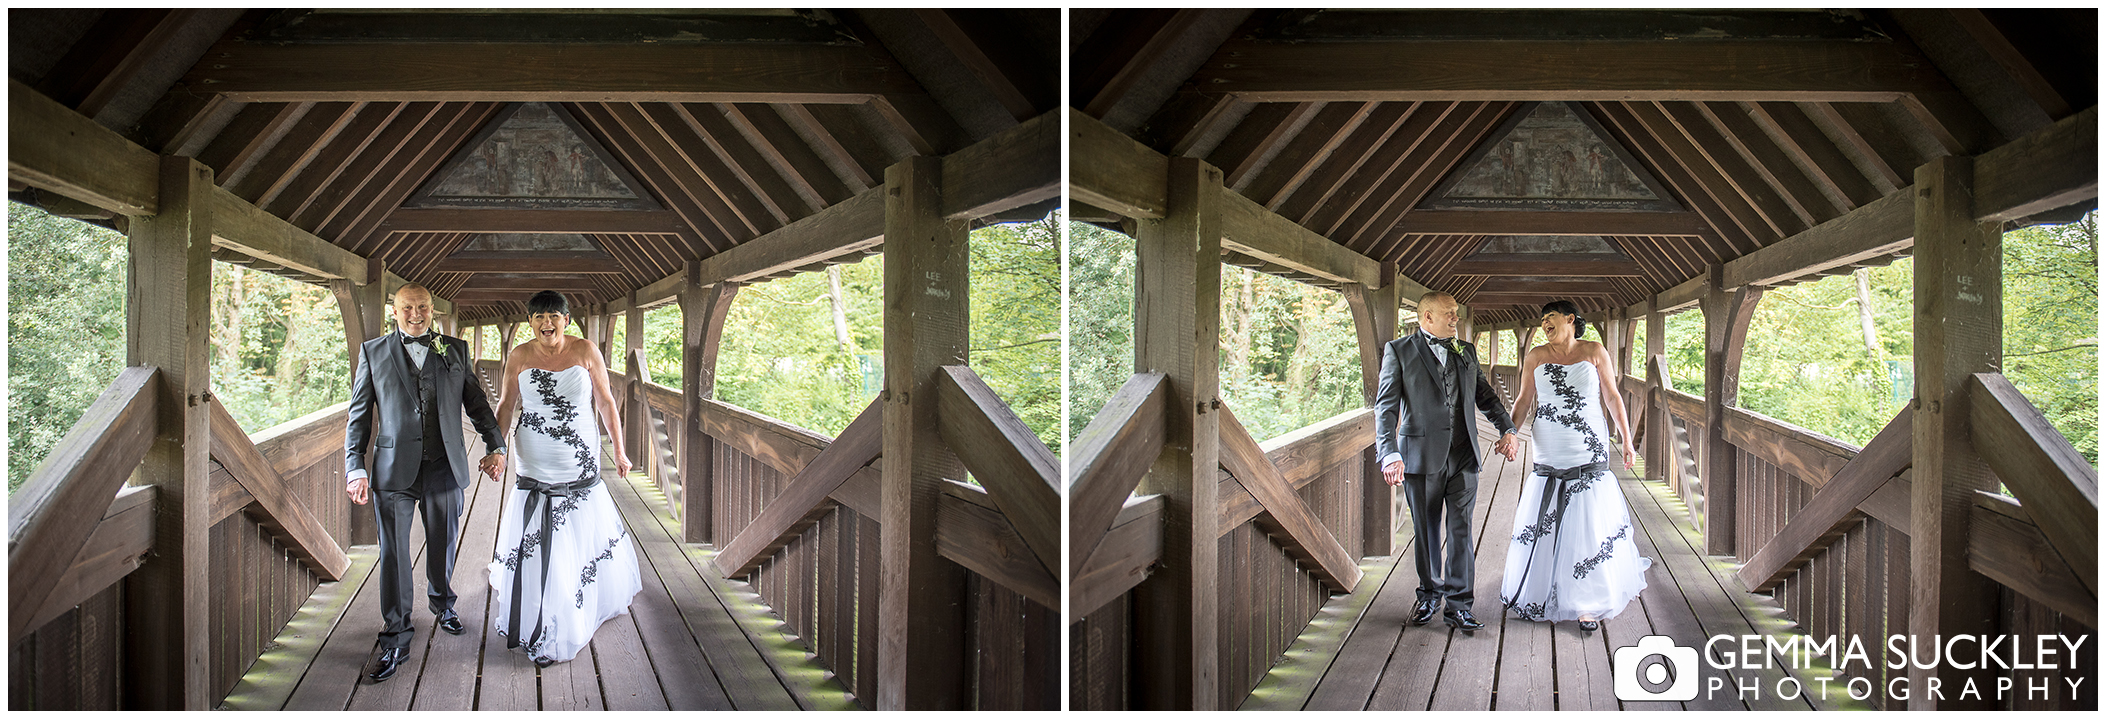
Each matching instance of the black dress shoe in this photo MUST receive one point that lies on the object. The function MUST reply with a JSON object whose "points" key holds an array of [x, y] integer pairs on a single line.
{"points": [[1422, 612], [1461, 619], [543, 662], [390, 660], [451, 623], [1588, 625]]}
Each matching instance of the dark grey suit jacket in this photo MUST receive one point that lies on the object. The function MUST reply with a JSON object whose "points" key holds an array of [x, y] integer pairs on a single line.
{"points": [[1410, 391], [383, 408]]}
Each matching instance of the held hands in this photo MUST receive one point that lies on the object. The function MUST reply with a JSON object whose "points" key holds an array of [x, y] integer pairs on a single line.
{"points": [[1509, 446], [494, 466]]}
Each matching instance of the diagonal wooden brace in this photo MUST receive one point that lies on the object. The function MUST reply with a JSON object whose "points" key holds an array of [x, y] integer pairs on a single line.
{"points": [[803, 502], [1288, 519]]}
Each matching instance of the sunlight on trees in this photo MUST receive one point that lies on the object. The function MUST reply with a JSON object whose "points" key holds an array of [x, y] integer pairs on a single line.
{"points": [[1289, 353], [278, 349], [65, 328]]}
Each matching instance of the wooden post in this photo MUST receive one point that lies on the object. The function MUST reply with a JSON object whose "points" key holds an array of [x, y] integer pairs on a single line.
{"points": [[168, 311], [1959, 331], [363, 308], [1465, 330], [1726, 317], [1177, 283], [922, 662], [702, 312], [1375, 319], [1659, 436], [636, 406]]}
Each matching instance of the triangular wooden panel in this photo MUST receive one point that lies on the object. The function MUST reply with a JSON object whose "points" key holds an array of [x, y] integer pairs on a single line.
{"points": [[1551, 156], [533, 155]]}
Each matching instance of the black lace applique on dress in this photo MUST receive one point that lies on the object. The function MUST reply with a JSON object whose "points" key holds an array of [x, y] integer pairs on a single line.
{"points": [[1585, 566], [1535, 611], [527, 542], [1548, 522], [558, 426], [592, 569], [1573, 416]]}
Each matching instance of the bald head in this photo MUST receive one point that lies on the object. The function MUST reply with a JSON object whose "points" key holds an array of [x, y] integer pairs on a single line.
{"points": [[1437, 314], [413, 309]]}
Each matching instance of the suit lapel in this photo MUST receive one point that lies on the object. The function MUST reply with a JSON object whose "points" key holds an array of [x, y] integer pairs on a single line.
{"points": [[398, 357]]}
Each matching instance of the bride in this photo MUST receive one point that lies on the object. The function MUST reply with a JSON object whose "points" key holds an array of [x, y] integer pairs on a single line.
{"points": [[564, 563], [1573, 554]]}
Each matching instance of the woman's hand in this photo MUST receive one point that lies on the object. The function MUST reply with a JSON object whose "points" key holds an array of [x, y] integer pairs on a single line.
{"points": [[1630, 455], [621, 463]]}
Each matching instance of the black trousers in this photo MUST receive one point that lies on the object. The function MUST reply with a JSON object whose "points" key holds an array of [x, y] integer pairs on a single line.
{"points": [[1449, 574], [397, 509]]}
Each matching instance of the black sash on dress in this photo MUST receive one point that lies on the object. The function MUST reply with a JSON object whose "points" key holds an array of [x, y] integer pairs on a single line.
{"points": [[540, 496], [1556, 485]]}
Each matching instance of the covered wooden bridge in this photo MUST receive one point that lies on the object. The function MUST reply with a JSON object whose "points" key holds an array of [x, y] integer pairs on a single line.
{"points": [[630, 159], [1640, 163]]}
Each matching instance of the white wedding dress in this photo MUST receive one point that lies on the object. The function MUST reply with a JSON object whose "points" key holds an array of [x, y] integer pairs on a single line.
{"points": [[565, 563], [1577, 558]]}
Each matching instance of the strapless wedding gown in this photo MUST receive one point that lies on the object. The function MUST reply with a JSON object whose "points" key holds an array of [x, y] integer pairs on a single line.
{"points": [[565, 563], [1575, 555]]}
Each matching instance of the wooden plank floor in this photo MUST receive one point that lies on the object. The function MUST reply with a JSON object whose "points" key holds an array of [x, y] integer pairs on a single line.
{"points": [[691, 639], [1359, 654]]}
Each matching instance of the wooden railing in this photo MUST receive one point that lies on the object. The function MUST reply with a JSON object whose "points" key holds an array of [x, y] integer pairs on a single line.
{"points": [[1825, 525], [796, 514], [1290, 536], [278, 523]]}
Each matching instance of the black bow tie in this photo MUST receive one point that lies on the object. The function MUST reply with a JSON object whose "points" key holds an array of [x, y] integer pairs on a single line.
{"points": [[1447, 344], [423, 339]]}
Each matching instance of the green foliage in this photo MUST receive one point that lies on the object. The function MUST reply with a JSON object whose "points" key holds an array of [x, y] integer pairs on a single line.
{"points": [[1100, 318], [1685, 351], [782, 355], [278, 349], [65, 328], [1289, 354], [2051, 346]]}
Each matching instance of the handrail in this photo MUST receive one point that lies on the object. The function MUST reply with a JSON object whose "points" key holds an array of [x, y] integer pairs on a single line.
{"points": [[1301, 456], [2060, 491], [1110, 456], [974, 531], [2004, 544], [1834, 508], [803, 501], [52, 517], [281, 513], [121, 539], [1286, 517]]}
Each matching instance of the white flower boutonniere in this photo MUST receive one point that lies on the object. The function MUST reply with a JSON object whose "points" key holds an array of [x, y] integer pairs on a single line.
{"points": [[438, 346]]}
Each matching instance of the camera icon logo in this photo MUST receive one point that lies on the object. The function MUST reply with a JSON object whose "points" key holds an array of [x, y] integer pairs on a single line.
{"points": [[1656, 670]]}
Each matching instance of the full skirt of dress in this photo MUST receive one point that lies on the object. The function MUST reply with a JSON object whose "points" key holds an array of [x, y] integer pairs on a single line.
{"points": [[565, 563], [1576, 555]]}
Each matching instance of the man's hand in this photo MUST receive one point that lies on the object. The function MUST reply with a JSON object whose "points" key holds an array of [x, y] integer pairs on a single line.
{"points": [[1393, 473], [1509, 446], [356, 489], [494, 465]]}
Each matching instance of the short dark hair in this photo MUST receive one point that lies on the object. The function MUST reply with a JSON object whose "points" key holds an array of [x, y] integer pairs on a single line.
{"points": [[1565, 307], [549, 301]]}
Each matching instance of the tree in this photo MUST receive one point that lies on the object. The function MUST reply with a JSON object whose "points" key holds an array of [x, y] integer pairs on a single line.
{"points": [[65, 328]]}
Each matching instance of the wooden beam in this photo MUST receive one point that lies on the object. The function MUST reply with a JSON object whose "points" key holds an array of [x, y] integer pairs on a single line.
{"points": [[1375, 326], [1110, 456], [973, 532], [391, 282], [1558, 285], [1501, 222], [280, 513], [543, 72], [1021, 475], [921, 636], [1811, 457], [1288, 520], [168, 603], [802, 501], [51, 147], [1177, 287], [117, 544], [1680, 69], [851, 226], [580, 263], [1109, 170], [597, 222], [1727, 316], [1682, 295], [1017, 167], [2017, 554], [2048, 169], [1884, 227], [1553, 264], [1250, 229], [245, 228], [1959, 332], [529, 281], [2059, 488], [1301, 457], [1131, 548], [45, 517]]}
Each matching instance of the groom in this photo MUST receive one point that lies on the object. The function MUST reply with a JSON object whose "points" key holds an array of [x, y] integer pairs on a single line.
{"points": [[414, 384], [1429, 381]]}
